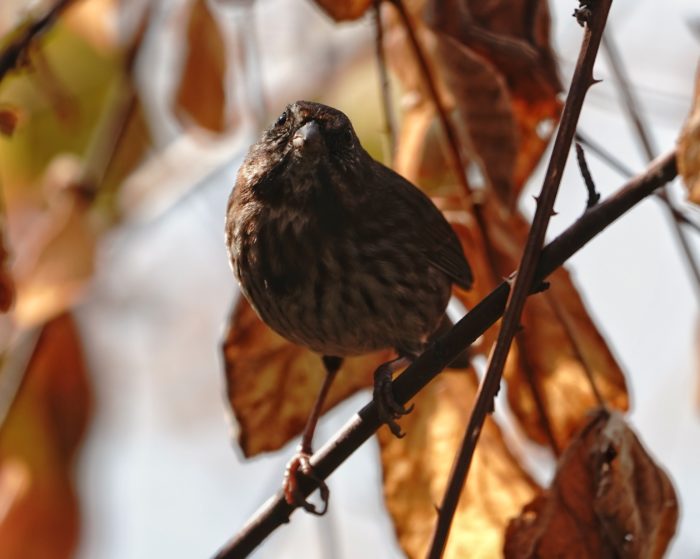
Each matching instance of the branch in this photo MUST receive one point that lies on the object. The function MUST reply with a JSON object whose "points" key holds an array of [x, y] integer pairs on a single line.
{"points": [[634, 114], [13, 54], [593, 195], [389, 128], [596, 17], [627, 173], [276, 511]]}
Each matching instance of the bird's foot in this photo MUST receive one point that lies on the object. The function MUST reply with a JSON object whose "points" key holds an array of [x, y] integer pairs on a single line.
{"points": [[301, 464], [388, 409]]}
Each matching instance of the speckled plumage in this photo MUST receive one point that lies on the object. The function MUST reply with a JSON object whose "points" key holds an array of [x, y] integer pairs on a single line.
{"points": [[334, 250]]}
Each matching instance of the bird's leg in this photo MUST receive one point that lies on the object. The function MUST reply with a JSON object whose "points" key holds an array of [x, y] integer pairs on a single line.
{"points": [[387, 407], [301, 461]]}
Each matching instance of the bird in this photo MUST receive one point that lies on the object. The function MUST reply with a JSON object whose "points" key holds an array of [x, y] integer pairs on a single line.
{"points": [[340, 254]]}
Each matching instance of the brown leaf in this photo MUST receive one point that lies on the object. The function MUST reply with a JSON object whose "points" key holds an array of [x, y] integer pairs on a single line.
{"points": [[513, 35], [55, 249], [608, 499], [416, 469], [476, 98], [343, 10], [201, 94], [39, 439], [559, 347], [272, 384], [689, 148], [510, 41]]}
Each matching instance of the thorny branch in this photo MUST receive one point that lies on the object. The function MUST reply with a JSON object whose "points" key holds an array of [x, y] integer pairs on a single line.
{"points": [[459, 167], [276, 511], [14, 54], [582, 79]]}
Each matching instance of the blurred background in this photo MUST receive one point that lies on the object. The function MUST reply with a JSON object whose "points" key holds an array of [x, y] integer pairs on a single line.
{"points": [[159, 473]]}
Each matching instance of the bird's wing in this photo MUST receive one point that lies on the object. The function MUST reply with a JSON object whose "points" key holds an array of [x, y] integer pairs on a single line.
{"points": [[443, 248]]}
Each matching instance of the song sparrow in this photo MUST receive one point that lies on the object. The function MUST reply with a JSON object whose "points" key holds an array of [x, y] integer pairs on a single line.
{"points": [[338, 253]]}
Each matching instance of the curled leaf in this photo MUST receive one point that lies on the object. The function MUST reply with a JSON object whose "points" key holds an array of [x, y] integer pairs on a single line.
{"points": [[608, 499], [689, 148], [271, 383], [416, 469]]}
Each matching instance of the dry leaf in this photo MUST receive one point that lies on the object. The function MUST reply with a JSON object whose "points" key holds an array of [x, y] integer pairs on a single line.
{"points": [[272, 384], [510, 40], [417, 467], [558, 347], [476, 98], [608, 499], [342, 10], [201, 94], [689, 148], [55, 249], [39, 439]]}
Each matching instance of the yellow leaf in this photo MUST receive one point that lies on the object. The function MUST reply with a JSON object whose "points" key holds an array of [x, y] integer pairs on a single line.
{"points": [[416, 470]]}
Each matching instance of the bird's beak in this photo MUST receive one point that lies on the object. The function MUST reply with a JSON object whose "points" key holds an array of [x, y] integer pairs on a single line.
{"points": [[308, 136]]}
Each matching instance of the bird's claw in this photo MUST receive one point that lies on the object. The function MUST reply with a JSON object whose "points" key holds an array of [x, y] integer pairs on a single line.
{"points": [[301, 463], [388, 409]]}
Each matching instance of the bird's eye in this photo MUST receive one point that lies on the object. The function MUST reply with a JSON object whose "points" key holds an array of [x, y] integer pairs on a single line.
{"points": [[348, 136], [281, 119]]}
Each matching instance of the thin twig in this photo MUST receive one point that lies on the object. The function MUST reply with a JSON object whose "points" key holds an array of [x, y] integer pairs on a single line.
{"points": [[593, 194], [631, 106], [581, 81], [275, 512], [626, 172], [458, 164], [389, 128], [604, 154], [13, 55]]}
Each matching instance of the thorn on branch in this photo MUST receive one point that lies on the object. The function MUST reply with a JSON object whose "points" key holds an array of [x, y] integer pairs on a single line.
{"points": [[584, 12], [593, 194], [540, 287]]}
